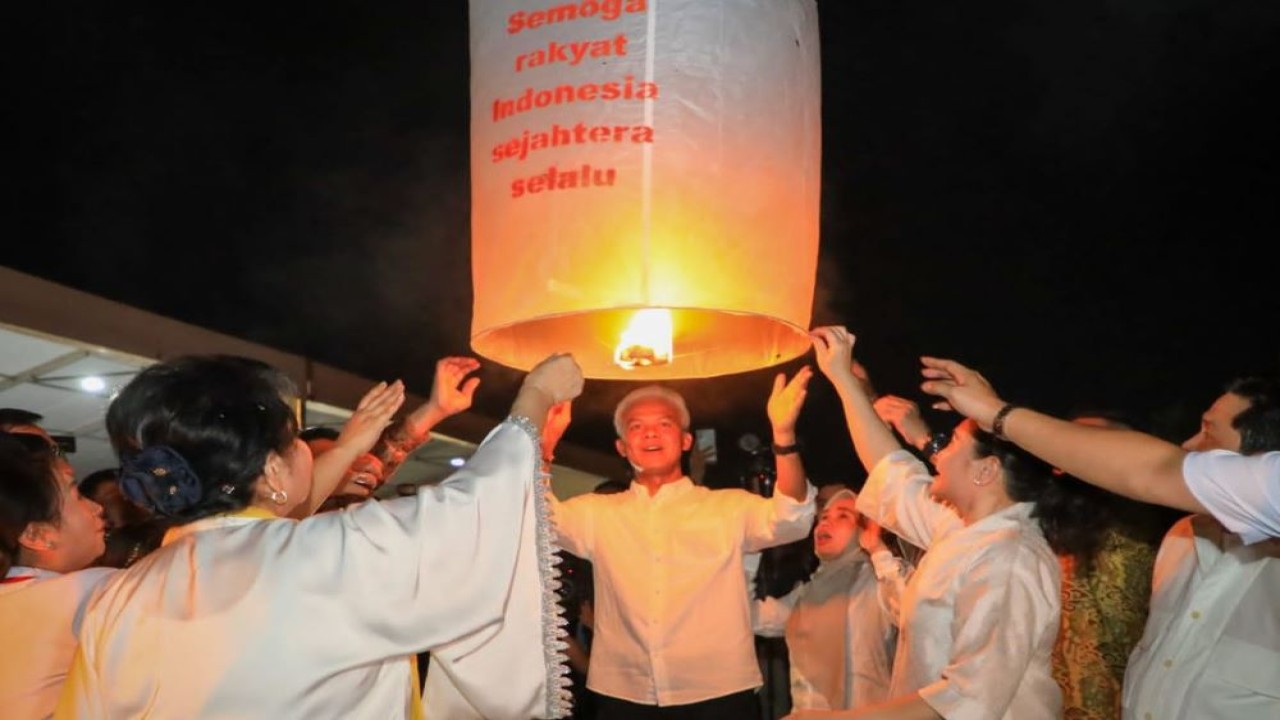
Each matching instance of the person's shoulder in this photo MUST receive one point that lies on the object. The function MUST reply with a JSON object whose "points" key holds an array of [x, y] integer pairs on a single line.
{"points": [[94, 575], [1018, 543], [83, 581]]}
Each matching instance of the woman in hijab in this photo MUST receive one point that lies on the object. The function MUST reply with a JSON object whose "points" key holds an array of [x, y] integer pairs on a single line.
{"points": [[841, 625]]}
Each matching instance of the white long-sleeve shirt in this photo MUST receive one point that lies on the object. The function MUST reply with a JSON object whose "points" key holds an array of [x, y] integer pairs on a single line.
{"points": [[1211, 649], [251, 617], [980, 613], [673, 624], [857, 593], [39, 614], [1241, 491]]}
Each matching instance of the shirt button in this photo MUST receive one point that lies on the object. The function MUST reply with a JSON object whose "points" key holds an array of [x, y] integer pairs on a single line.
{"points": [[1168, 663], [1195, 614], [1146, 716]]}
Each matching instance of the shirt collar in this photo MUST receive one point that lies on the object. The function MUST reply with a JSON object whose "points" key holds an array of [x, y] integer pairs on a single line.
{"points": [[21, 576], [1015, 514], [1212, 540], [666, 490], [240, 517]]}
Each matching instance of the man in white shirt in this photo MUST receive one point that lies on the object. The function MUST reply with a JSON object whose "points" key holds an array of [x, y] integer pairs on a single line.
{"points": [[1211, 648], [1243, 493], [672, 623]]}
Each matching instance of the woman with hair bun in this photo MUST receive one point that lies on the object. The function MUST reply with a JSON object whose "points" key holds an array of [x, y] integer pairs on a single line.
{"points": [[246, 613], [980, 614]]}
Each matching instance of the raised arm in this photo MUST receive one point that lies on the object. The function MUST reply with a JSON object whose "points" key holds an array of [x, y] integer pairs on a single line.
{"points": [[1125, 462], [872, 439], [904, 416], [452, 392], [891, 571], [361, 431], [573, 520], [554, 381], [784, 408]]}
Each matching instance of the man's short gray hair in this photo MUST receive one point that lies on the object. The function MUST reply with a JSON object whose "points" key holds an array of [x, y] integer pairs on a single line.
{"points": [[651, 392]]}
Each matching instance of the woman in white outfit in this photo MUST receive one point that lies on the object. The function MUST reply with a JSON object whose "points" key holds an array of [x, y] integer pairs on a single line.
{"points": [[245, 613], [840, 625], [981, 612]]}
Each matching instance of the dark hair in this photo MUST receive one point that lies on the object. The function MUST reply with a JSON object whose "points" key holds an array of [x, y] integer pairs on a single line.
{"points": [[318, 432], [1136, 520], [1065, 507], [214, 418], [29, 491], [89, 484], [10, 417], [1259, 424]]}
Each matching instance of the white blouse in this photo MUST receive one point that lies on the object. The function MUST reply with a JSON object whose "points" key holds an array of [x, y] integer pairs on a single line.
{"points": [[39, 613], [246, 617], [980, 613]]}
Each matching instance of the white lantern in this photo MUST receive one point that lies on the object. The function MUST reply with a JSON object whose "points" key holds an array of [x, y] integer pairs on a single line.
{"points": [[644, 162]]}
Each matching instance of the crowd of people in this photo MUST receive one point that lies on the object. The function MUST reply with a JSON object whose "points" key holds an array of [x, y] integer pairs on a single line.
{"points": [[1020, 566]]}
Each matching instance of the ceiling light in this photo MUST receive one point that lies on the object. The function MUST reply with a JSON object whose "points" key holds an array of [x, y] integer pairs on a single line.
{"points": [[93, 384]]}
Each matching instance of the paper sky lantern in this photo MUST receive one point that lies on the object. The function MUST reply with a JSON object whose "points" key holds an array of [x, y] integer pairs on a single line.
{"points": [[639, 168]]}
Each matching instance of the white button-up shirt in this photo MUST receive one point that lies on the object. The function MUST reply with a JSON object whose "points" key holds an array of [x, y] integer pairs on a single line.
{"points": [[980, 614], [1241, 491], [1212, 644], [39, 615], [673, 625]]}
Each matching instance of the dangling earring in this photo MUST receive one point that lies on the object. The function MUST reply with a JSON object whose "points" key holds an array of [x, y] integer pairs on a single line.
{"points": [[278, 495]]}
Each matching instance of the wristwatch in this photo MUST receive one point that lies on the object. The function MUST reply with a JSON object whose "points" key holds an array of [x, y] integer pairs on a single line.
{"points": [[785, 449]]}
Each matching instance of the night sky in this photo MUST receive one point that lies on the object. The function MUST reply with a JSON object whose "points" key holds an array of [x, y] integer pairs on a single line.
{"points": [[1077, 198]]}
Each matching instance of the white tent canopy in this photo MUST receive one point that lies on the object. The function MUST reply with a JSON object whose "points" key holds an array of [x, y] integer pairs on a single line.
{"points": [[63, 353]]}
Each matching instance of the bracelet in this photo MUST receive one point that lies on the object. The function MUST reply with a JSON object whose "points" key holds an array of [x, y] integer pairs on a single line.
{"points": [[785, 449], [997, 423]]}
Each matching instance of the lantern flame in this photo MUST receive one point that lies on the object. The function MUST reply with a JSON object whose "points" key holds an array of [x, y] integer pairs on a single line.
{"points": [[646, 341]]}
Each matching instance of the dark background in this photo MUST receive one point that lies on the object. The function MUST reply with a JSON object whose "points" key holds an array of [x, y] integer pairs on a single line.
{"points": [[1076, 198]]}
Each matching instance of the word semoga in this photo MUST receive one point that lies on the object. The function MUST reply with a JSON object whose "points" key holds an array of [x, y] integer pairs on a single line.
{"points": [[567, 12]]}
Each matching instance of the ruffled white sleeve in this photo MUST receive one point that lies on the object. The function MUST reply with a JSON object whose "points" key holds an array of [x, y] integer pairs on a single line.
{"points": [[896, 495], [517, 669]]}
